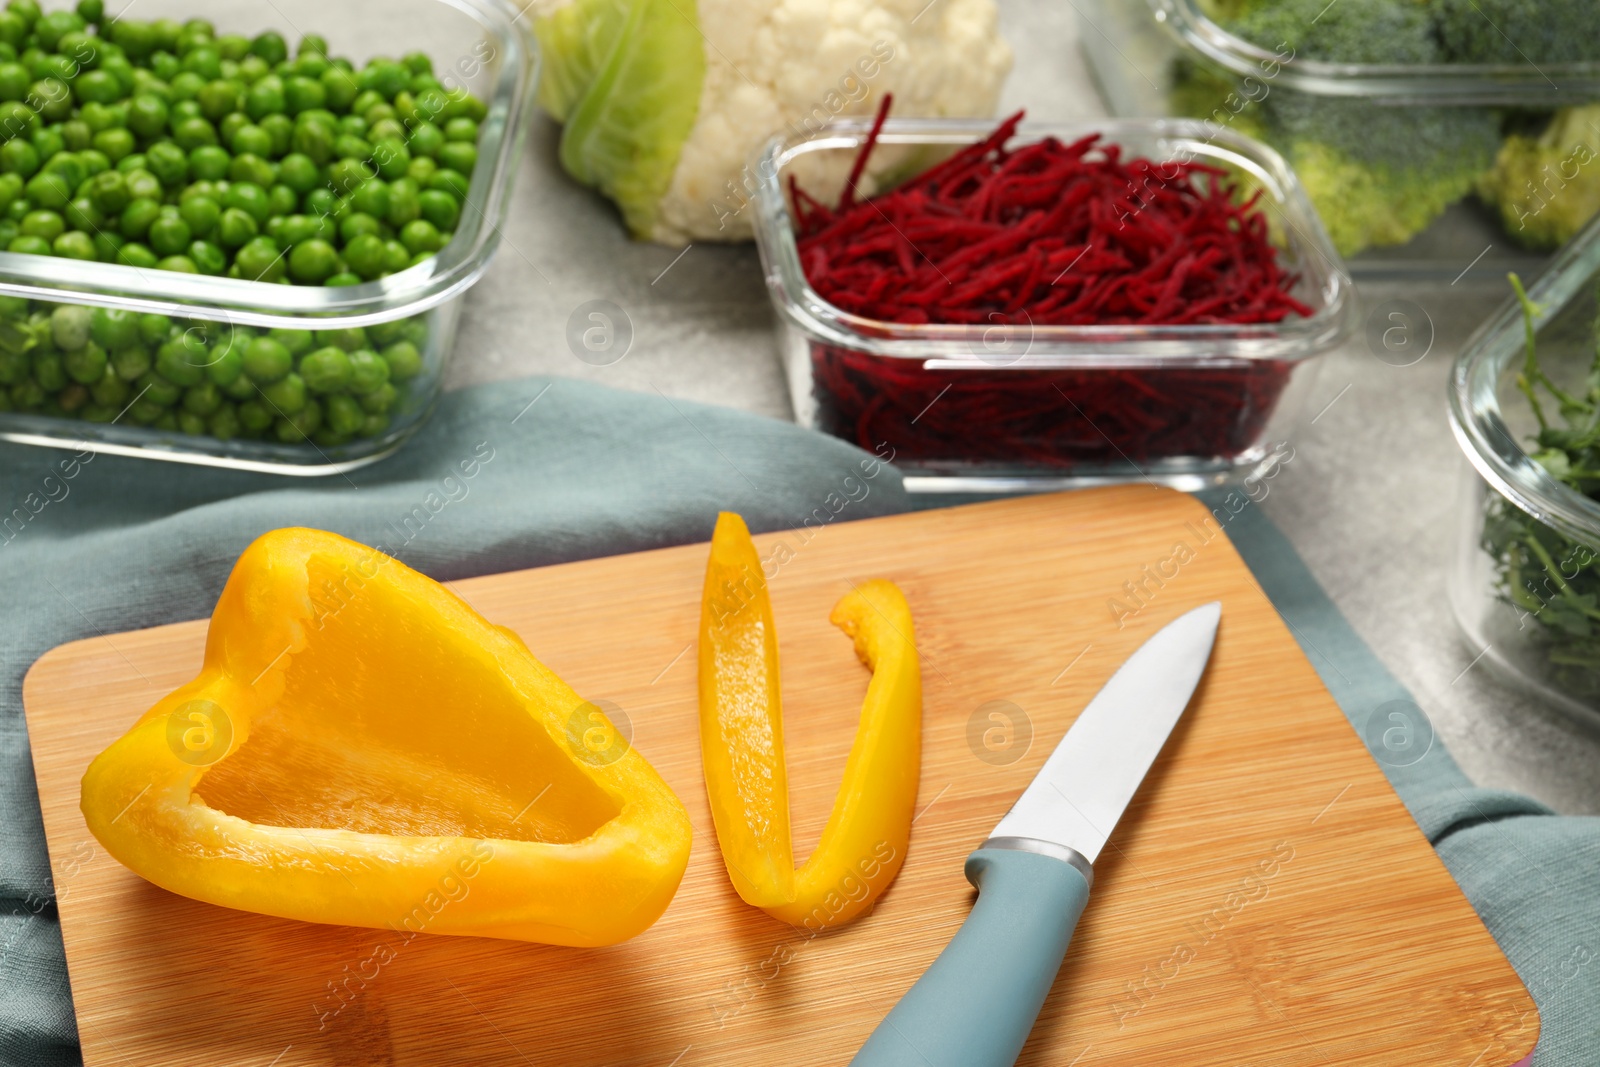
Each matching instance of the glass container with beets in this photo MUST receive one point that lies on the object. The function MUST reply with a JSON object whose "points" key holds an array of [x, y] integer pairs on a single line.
{"points": [[1008, 406]]}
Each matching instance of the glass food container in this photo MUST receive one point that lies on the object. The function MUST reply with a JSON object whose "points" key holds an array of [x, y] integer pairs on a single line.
{"points": [[1525, 581], [1165, 57], [479, 44], [1006, 408]]}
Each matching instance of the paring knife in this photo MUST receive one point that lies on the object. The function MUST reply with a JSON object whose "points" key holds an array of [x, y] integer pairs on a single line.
{"points": [[976, 1005]]}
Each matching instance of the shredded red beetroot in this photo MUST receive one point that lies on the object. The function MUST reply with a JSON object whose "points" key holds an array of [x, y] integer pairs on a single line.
{"points": [[1047, 234], [1050, 234]]}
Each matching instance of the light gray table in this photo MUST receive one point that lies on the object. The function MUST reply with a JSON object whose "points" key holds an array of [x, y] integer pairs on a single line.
{"points": [[1369, 499]]}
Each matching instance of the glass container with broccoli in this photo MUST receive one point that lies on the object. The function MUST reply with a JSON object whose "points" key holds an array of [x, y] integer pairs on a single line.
{"points": [[1394, 111]]}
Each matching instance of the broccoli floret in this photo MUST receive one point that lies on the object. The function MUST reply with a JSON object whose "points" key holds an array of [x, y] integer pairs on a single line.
{"points": [[1517, 31], [1547, 186], [1350, 31], [1378, 174]]}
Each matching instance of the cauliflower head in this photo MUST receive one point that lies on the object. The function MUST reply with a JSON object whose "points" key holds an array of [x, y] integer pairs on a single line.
{"points": [[665, 101]]}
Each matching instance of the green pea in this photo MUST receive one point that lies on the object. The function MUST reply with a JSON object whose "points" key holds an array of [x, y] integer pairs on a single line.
{"points": [[97, 86], [255, 415], [191, 133], [207, 257], [281, 129], [226, 366], [75, 244], [14, 367], [49, 372], [230, 124], [404, 360], [346, 174], [102, 117], [249, 198], [202, 399], [52, 99], [462, 130], [209, 163], [298, 342], [201, 213], [202, 61], [184, 86], [281, 200], [87, 365], [70, 165], [185, 421], [49, 190], [347, 338], [27, 396], [168, 162], [326, 370], [107, 246], [299, 172], [422, 169], [28, 245], [368, 371], [111, 390], [154, 328], [235, 227], [451, 182], [270, 46], [47, 139], [116, 144], [343, 415], [265, 97], [77, 135], [301, 93], [321, 202], [252, 170], [19, 157], [314, 139], [184, 109], [286, 395], [252, 139], [46, 224], [385, 77], [83, 215], [14, 81], [241, 388], [113, 329], [339, 88], [252, 69], [266, 359], [426, 140], [119, 68], [441, 209], [129, 164], [179, 365], [313, 261], [260, 260], [365, 255], [224, 423], [169, 235], [297, 427], [396, 256], [419, 236], [357, 224], [219, 97], [134, 254], [142, 184], [70, 326], [138, 216]]}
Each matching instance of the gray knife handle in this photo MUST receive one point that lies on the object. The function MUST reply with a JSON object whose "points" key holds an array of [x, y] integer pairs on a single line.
{"points": [[976, 1005]]}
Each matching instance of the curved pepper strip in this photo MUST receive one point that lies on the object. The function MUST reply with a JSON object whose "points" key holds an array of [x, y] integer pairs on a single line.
{"points": [[741, 744], [361, 747]]}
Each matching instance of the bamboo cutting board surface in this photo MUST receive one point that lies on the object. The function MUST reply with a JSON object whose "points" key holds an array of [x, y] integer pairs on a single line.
{"points": [[1267, 899]]}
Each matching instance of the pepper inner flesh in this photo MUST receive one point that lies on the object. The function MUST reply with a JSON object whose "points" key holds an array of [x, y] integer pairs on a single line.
{"points": [[401, 737]]}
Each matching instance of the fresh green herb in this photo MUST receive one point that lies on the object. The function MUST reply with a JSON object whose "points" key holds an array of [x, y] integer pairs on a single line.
{"points": [[1552, 580]]}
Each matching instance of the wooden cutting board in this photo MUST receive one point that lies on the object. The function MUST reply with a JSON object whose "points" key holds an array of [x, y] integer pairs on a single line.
{"points": [[1267, 899]]}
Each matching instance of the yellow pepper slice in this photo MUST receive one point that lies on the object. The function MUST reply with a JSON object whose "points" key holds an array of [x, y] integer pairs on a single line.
{"points": [[741, 744], [361, 747]]}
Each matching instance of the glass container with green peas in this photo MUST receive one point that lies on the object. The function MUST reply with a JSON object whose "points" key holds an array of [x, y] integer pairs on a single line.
{"points": [[244, 218]]}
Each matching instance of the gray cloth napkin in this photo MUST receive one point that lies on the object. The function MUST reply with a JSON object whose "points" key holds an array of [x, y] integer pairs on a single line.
{"points": [[576, 471]]}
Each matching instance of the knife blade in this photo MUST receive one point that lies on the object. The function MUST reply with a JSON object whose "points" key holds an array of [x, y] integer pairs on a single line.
{"points": [[977, 1003]]}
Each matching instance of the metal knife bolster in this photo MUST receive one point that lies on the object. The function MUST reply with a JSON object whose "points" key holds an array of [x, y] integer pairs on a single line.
{"points": [[1070, 856]]}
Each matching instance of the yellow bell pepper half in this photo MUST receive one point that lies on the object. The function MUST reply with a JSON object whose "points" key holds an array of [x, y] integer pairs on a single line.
{"points": [[741, 744], [361, 747]]}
